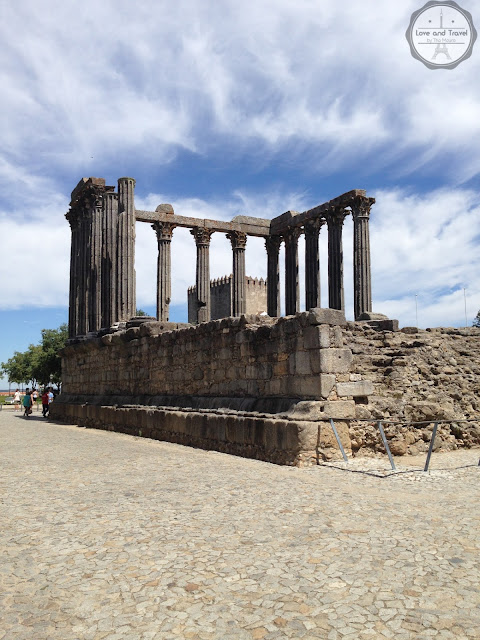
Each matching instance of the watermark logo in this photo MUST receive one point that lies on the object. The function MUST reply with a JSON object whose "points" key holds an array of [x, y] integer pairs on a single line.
{"points": [[441, 35]]}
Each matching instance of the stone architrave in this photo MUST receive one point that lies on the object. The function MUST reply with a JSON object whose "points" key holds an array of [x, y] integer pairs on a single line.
{"points": [[202, 239], [272, 245], [335, 258], [312, 263], [126, 297], [292, 285], [362, 279], [239, 301], [164, 231]]}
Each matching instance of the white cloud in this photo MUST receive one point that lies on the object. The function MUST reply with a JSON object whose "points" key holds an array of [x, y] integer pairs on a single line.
{"points": [[426, 246], [112, 82]]}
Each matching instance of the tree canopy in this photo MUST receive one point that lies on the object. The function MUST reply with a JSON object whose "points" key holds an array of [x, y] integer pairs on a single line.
{"points": [[40, 364], [476, 322]]}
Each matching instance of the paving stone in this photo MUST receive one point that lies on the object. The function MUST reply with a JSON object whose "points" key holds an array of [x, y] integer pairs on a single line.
{"points": [[106, 536]]}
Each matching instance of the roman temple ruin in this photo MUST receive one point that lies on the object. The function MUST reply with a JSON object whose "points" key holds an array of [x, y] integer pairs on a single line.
{"points": [[262, 386]]}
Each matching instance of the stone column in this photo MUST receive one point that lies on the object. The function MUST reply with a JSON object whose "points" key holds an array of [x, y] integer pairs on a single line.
{"points": [[292, 286], [82, 267], [72, 217], [85, 218], [239, 302], [110, 312], [362, 279], [164, 231], [126, 298], [312, 263], [272, 245], [95, 265], [202, 239], [335, 259]]}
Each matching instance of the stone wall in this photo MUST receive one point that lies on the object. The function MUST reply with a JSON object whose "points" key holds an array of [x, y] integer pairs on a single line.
{"points": [[234, 357], [417, 375], [266, 388]]}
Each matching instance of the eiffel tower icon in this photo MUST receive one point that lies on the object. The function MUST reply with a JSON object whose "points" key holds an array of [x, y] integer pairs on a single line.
{"points": [[441, 48]]}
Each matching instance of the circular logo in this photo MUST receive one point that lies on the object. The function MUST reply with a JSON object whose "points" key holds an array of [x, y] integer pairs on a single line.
{"points": [[441, 35]]}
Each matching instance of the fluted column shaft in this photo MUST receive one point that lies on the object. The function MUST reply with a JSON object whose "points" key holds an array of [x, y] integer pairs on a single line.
{"points": [[73, 291], [239, 302], [83, 267], [292, 285], [164, 231], [312, 263], [126, 295], [202, 280], [362, 279], [335, 260], [272, 245], [95, 267], [109, 260]]}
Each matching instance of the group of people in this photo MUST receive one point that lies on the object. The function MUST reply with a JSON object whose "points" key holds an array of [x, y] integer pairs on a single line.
{"points": [[30, 398]]}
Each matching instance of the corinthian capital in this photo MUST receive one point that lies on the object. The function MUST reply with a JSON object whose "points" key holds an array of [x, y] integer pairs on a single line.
{"points": [[336, 216], [164, 230], [202, 236], [312, 227], [272, 244], [292, 235], [361, 207], [238, 239]]}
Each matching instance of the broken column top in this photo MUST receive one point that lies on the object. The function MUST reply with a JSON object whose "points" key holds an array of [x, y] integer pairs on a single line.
{"points": [[87, 182]]}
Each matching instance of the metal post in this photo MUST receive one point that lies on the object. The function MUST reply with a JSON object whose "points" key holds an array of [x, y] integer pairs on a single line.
{"points": [[385, 444], [430, 448], [335, 432]]}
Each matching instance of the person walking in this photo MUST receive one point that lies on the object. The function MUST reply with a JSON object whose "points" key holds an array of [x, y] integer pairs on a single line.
{"points": [[27, 403], [16, 400], [45, 402]]}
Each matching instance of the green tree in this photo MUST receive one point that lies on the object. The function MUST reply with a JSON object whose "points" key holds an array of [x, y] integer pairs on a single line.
{"points": [[41, 363], [476, 322], [17, 368], [141, 312]]}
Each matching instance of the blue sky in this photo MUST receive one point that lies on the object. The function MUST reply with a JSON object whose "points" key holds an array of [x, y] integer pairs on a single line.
{"points": [[227, 108]]}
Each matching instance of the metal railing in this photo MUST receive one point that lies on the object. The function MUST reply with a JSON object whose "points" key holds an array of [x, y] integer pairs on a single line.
{"points": [[380, 424]]}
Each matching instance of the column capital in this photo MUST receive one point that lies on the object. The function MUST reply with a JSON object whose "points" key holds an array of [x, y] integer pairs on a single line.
{"points": [[272, 244], [312, 227], [164, 230], [238, 239], [336, 216], [361, 208], [73, 218], [292, 235], [202, 236]]}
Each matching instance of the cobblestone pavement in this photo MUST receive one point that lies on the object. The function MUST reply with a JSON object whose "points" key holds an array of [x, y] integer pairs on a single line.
{"points": [[104, 535]]}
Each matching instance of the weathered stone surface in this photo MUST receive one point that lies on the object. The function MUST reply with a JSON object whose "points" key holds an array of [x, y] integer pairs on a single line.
{"points": [[368, 315], [398, 447], [355, 389], [409, 330], [335, 360], [317, 337], [339, 409], [327, 382], [327, 316]]}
